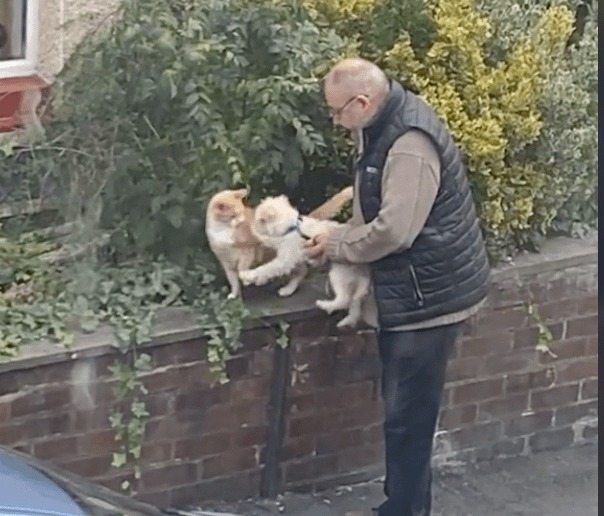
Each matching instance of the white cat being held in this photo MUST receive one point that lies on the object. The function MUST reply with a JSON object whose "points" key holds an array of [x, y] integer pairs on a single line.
{"points": [[279, 226]]}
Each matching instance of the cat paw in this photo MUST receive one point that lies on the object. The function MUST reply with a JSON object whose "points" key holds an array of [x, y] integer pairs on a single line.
{"points": [[313, 262], [287, 290], [232, 295], [347, 322], [325, 305], [247, 277]]}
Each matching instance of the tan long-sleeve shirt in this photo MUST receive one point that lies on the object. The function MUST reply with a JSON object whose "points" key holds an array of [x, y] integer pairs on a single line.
{"points": [[410, 183]]}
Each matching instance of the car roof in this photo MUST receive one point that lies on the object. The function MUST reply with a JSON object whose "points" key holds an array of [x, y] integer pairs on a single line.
{"points": [[24, 490]]}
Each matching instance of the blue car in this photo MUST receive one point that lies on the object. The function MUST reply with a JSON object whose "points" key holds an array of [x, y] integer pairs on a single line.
{"points": [[31, 488]]}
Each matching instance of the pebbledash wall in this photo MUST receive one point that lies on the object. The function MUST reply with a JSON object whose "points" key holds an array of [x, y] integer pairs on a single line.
{"points": [[63, 24], [53, 31], [503, 397]]}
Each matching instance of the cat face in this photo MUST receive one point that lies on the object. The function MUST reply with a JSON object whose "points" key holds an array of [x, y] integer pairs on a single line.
{"points": [[273, 216], [227, 206]]}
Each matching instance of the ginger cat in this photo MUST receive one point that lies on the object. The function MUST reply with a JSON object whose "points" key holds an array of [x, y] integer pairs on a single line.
{"points": [[229, 233]]}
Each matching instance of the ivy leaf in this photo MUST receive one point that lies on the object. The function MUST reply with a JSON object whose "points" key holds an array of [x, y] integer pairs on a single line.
{"points": [[119, 460], [143, 362], [81, 305], [282, 338], [139, 410], [136, 452], [7, 146], [89, 321]]}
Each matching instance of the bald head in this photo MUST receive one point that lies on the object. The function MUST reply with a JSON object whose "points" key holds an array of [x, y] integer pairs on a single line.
{"points": [[354, 90], [356, 76]]}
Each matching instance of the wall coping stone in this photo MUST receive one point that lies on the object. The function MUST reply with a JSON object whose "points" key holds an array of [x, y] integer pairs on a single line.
{"points": [[178, 324]]}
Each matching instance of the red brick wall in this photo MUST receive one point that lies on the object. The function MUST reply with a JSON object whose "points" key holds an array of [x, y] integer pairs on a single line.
{"points": [[502, 398]]}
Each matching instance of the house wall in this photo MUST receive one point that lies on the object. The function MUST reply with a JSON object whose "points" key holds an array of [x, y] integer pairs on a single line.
{"points": [[63, 24]]}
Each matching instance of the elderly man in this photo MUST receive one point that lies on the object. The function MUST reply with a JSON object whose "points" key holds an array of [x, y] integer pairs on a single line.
{"points": [[414, 222]]}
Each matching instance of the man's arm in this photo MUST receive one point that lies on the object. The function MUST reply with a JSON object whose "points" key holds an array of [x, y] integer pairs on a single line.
{"points": [[409, 187]]}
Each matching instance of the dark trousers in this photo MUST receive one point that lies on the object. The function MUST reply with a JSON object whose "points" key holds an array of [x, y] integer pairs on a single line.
{"points": [[413, 377]]}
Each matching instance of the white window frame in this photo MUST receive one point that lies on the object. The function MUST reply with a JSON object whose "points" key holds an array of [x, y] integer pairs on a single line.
{"points": [[27, 66]]}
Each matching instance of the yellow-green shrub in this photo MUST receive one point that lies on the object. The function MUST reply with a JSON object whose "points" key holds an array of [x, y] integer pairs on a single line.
{"points": [[493, 107], [373, 26]]}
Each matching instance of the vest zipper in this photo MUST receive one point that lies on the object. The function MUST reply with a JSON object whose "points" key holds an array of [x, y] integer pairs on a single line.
{"points": [[418, 293]]}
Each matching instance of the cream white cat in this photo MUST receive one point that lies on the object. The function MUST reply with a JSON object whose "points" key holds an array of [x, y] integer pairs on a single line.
{"points": [[278, 225]]}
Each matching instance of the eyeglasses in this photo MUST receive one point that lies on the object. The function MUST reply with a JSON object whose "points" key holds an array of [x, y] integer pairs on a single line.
{"points": [[337, 112]]}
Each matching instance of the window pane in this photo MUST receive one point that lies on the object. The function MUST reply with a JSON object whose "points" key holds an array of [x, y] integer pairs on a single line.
{"points": [[12, 29]]}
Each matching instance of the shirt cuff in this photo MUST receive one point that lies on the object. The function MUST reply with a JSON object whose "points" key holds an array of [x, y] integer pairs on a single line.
{"points": [[332, 246]]}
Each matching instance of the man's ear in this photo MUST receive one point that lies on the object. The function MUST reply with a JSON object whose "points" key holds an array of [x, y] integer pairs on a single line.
{"points": [[364, 99]]}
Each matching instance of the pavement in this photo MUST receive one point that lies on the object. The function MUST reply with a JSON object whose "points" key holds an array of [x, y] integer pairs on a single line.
{"points": [[552, 483]]}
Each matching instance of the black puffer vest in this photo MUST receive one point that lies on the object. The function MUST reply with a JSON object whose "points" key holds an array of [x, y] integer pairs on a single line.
{"points": [[446, 270]]}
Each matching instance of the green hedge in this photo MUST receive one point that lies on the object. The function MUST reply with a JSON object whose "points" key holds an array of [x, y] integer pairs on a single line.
{"points": [[179, 99]]}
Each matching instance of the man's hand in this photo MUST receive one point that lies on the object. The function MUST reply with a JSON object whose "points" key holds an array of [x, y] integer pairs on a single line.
{"points": [[315, 247]]}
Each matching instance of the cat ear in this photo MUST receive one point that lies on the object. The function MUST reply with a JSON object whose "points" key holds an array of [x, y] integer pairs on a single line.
{"points": [[241, 194], [286, 201]]}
